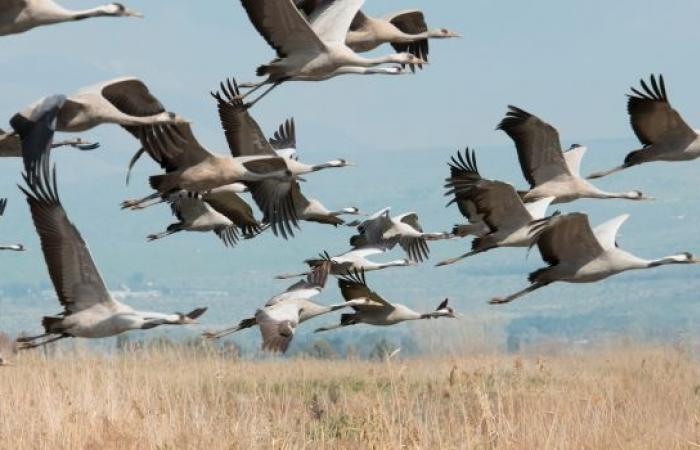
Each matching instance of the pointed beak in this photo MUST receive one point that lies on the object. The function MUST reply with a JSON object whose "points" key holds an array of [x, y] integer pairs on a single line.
{"points": [[350, 163], [87, 146], [132, 13], [647, 197]]}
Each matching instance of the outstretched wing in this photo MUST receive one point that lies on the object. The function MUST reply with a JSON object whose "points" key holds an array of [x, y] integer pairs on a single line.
{"points": [[131, 96], [243, 134], [277, 325], [36, 127], [411, 22], [285, 137], [276, 201], [232, 206], [652, 117], [568, 237], [353, 286], [73, 272], [283, 26], [539, 150], [331, 19], [173, 146], [606, 233], [463, 169]]}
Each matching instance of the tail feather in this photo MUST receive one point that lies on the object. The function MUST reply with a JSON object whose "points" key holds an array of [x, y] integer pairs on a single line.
{"points": [[163, 183], [263, 70], [634, 157], [52, 324]]}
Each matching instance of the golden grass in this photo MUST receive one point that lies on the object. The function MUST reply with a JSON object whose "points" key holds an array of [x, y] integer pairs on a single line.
{"points": [[623, 398]]}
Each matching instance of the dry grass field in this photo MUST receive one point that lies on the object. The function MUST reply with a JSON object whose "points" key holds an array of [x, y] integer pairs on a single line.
{"points": [[628, 397]]}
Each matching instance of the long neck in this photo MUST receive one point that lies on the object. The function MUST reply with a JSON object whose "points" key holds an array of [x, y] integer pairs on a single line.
{"points": [[326, 165], [673, 259], [434, 315], [54, 13], [369, 62], [597, 193], [395, 263], [153, 319], [344, 211]]}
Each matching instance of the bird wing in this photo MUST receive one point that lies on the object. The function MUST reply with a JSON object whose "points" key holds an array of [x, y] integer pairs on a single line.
{"points": [[173, 146], [565, 238], [36, 127], [188, 209], [131, 96], [243, 134], [353, 286], [305, 289], [75, 277], [3, 205], [494, 202], [233, 207], [537, 142], [359, 21], [285, 137], [411, 22], [283, 26], [277, 325], [363, 252], [606, 233], [332, 18], [463, 169], [410, 219], [573, 158], [652, 117], [276, 201], [371, 231]]}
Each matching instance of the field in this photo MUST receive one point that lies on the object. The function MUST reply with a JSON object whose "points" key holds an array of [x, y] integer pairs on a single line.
{"points": [[623, 397]]}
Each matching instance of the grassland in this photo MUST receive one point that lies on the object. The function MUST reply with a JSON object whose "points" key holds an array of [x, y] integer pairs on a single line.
{"points": [[626, 397]]}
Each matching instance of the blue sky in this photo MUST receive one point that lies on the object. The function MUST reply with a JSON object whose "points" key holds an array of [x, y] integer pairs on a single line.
{"points": [[569, 62]]}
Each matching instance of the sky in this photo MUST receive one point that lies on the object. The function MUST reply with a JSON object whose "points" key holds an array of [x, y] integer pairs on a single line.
{"points": [[571, 63]]}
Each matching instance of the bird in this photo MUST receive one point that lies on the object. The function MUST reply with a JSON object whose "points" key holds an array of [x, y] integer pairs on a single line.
{"points": [[13, 247], [11, 146], [354, 259], [191, 167], [282, 314], [312, 210], [379, 312], [246, 139], [550, 171], [345, 70], [577, 253], [406, 31], [384, 231], [497, 204], [18, 16], [219, 210], [662, 131], [309, 48], [123, 101], [89, 311]]}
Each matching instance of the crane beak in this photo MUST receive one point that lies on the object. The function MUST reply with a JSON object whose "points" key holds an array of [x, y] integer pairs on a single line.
{"points": [[132, 13]]}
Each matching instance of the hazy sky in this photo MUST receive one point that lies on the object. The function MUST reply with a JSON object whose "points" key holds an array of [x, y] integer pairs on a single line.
{"points": [[569, 62]]}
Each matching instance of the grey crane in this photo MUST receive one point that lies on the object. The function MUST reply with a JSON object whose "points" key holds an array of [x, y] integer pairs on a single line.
{"points": [[662, 131], [578, 253]]}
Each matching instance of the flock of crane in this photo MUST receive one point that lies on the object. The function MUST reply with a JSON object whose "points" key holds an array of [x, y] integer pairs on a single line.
{"points": [[314, 40]]}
